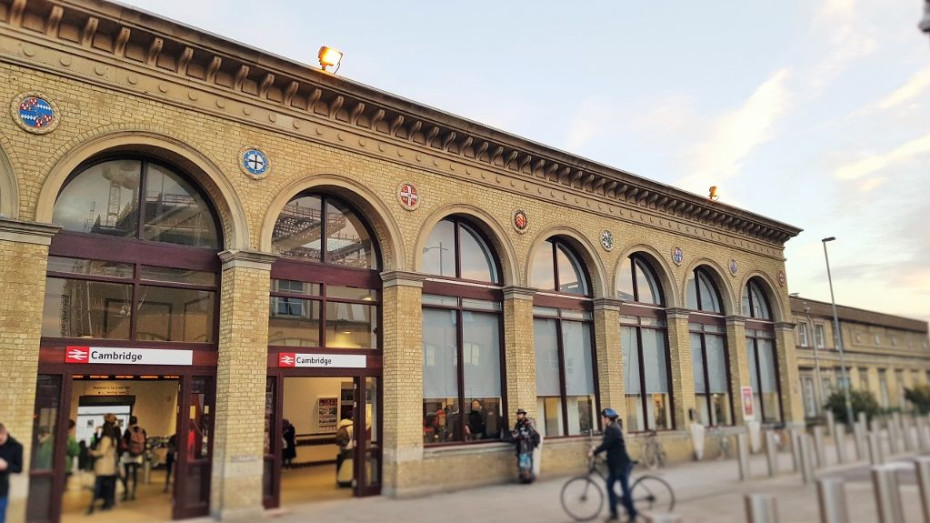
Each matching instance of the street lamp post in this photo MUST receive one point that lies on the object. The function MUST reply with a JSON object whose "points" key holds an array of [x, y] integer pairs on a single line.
{"points": [[837, 335]]}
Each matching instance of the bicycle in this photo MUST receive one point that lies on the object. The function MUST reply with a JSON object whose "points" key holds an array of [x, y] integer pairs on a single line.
{"points": [[653, 453], [583, 498], [722, 442]]}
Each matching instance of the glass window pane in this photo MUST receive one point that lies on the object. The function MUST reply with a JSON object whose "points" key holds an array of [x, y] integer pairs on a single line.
{"points": [[476, 259], [481, 354], [351, 293], [691, 293], [547, 357], [351, 326], [659, 414], [630, 345], [580, 414], [45, 424], [104, 199], [481, 305], [655, 360], [89, 267], [753, 370], [625, 281], [635, 416], [746, 310], [545, 311], [543, 268], [294, 322], [347, 241], [571, 278], [709, 301], [767, 366], [167, 314], [177, 275], [175, 212], [550, 410], [647, 287], [86, 309], [579, 364], [697, 364], [297, 229], [295, 287], [716, 363], [441, 414], [439, 252], [441, 301]]}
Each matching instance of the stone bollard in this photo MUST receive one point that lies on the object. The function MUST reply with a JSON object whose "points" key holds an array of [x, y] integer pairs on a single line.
{"points": [[761, 508], [795, 450], [887, 494], [807, 459], [771, 452], [819, 449], [832, 497], [742, 453], [862, 448], [922, 464], [876, 457], [831, 424], [894, 438], [839, 439]]}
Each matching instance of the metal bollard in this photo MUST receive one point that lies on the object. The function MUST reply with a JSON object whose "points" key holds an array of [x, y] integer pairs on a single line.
{"points": [[807, 460], [795, 450], [771, 452], [875, 450], [894, 438], [922, 464], [887, 494], [831, 424], [862, 451], [761, 508], [819, 450], [832, 497], [839, 439], [742, 445], [909, 444]]}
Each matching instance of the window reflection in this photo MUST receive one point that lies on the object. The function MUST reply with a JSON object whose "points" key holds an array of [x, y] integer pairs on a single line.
{"points": [[297, 231], [456, 250], [557, 268], [347, 241], [174, 212], [303, 229], [86, 309]]}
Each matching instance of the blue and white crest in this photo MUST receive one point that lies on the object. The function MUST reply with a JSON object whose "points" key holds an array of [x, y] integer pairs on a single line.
{"points": [[677, 255], [35, 113], [254, 162]]}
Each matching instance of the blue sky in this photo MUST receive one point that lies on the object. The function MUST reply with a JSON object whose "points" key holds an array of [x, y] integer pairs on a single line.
{"points": [[810, 112]]}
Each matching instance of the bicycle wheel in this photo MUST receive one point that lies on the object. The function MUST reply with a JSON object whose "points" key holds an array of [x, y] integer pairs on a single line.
{"points": [[653, 493], [582, 499]]}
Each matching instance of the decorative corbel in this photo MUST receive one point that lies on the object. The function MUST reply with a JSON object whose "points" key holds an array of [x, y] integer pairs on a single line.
{"points": [[376, 119], [119, 48], [431, 135], [184, 59], [336, 105], [214, 66], [151, 59], [53, 21], [447, 140], [241, 74], [356, 112], [395, 125], [496, 155], [266, 84], [290, 92], [314, 98]]}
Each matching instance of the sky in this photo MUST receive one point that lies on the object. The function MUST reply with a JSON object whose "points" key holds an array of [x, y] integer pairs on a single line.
{"points": [[815, 113]]}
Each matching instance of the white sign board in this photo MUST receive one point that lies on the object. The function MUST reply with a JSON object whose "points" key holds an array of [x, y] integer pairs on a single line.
{"points": [[121, 356], [345, 361]]}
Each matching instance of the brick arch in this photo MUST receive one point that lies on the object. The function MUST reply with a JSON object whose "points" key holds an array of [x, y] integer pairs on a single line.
{"points": [[583, 248], [768, 286], [173, 150], [369, 205], [492, 229], [664, 272], [731, 303], [9, 187]]}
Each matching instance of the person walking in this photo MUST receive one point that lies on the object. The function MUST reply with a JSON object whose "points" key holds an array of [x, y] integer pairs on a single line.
{"points": [[105, 466], [11, 462], [134, 441], [618, 464]]}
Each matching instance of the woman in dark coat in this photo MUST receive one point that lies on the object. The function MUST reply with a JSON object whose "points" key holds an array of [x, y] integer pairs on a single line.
{"points": [[289, 452]]}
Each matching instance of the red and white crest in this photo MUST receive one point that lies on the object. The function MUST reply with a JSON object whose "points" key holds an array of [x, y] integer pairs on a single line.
{"points": [[77, 354], [408, 196], [286, 359]]}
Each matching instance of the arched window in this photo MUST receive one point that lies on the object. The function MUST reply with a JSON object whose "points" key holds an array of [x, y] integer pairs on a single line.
{"points": [[461, 323], [760, 344], [104, 283], [334, 301], [709, 355], [566, 381], [644, 340], [323, 229]]}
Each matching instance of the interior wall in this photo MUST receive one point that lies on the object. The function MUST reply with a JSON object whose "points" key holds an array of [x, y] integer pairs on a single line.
{"points": [[156, 401], [302, 409]]}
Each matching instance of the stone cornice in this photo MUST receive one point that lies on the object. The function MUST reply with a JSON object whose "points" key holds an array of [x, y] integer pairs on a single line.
{"points": [[247, 259], [402, 279], [736, 320], [607, 304], [519, 293], [27, 232], [678, 313], [205, 61]]}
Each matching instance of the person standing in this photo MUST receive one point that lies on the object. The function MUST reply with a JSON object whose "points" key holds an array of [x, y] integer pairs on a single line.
{"points": [[526, 438], [476, 421], [72, 451], [105, 466], [134, 441], [618, 464], [170, 456], [11, 462], [289, 452]]}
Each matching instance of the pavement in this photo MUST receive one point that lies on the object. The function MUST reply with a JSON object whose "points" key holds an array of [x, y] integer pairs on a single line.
{"points": [[706, 492]]}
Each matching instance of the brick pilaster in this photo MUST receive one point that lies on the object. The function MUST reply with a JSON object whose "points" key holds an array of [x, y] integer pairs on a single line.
{"points": [[609, 354], [739, 364], [520, 350], [788, 375], [682, 380]]}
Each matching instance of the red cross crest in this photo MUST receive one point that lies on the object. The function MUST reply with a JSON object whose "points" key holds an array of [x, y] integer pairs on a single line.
{"points": [[409, 196]]}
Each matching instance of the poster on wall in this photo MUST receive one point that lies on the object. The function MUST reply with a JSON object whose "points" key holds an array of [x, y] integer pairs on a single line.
{"points": [[749, 411], [328, 415]]}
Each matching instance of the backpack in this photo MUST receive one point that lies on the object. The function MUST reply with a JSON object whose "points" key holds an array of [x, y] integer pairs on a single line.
{"points": [[342, 436], [136, 444]]}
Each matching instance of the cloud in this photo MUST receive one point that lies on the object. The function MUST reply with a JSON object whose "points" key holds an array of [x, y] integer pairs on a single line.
{"points": [[912, 90], [849, 38], [877, 162], [595, 116], [733, 136]]}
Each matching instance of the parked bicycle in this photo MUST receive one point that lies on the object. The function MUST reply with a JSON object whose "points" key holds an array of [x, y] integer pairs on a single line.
{"points": [[583, 496], [653, 452]]}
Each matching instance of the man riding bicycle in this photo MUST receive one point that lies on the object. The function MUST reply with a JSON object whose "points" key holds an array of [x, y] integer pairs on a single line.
{"points": [[618, 464]]}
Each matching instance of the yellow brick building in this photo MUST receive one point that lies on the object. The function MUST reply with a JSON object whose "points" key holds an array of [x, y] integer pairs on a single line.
{"points": [[253, 237]]}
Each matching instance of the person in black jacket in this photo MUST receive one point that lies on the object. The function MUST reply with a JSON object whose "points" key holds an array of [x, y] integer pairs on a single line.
{"points": [[11, 462], [618, 464]]}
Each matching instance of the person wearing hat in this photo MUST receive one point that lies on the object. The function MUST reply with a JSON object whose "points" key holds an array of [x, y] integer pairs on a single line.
{"points": [[526, 438], [618, 464]]}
